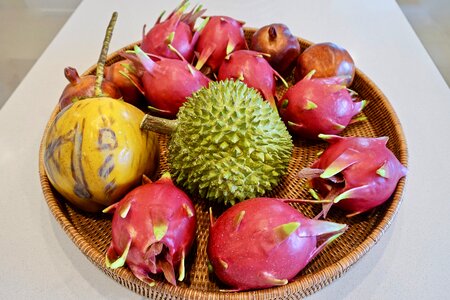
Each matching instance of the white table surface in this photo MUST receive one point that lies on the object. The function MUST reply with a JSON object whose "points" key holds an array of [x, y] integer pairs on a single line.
{"points": [[411, 261]]}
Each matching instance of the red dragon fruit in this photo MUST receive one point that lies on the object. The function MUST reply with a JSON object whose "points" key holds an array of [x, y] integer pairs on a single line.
{"points": [[251, 68], [176, 30], [318, 106], [220, 36], [354, 173], [167, 82], [265, 242], [153, 229]]}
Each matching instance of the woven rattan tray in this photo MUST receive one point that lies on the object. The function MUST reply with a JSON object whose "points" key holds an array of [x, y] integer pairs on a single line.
{"points": [[92, 232]]}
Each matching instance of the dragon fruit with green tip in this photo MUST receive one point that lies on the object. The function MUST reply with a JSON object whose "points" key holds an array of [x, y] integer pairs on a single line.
{"points": [[265, 242], [176, 30], [251, 68], [220, 36], [153, 229], [318, 106], [166, 82], [355, 173]]}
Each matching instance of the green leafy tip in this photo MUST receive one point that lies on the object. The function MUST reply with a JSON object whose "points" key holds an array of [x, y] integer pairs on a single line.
{"points": [[160, 231], [121, 260], [283, 231]]}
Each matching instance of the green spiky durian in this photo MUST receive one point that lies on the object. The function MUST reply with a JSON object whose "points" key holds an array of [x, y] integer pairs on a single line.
{"points": [[229, 144]]}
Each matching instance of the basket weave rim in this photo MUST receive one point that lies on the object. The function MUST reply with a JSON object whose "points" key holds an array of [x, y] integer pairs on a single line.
{"points": [[314, 281]]}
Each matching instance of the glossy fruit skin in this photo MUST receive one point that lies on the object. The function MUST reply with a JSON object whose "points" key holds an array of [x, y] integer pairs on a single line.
{"points": [[248, 250], [95, 152], [158, 204], [123, 74], [83, 87], [328, 60], [277, 41]]}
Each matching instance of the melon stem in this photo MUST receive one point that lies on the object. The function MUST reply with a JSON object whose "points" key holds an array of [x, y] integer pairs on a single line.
{"points": [[159, 125], [103, 54]]}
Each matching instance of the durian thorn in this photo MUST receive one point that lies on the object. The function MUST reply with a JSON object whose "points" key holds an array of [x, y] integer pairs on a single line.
{"points": [[160, 125], [119, 262], [182, 269], [309, 75], [103, 54]]}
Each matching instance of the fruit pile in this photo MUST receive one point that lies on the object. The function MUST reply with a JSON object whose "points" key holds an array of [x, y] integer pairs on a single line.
{"points": [[231, 141]]}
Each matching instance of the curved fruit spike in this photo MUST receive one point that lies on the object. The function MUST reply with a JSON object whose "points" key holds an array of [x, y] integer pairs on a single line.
{"points": [[169, 272], [310, 105], [282, 232], [148, 64], [330, 138], [338, 232], [238, 219], [223, 264], [343, 161], [188, 210], [124, 210], [133, 82], [160, 231], [119, 262], [170, 37], [352, 193], [309, 173], [158, 20], [310, 74], [272, 280], [383, 170], [141, 275], [206, 53], [145, 179], [158, 111], [103, 54], [110, 209], [211, 217], [182, 268]]}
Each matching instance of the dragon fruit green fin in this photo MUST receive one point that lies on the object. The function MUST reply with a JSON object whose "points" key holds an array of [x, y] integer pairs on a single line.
{"points": [[310, 105], [119, 262], [352, 193], [160, 231], [383, 171], [124, 210], [272, 280], [283, 231], [238, 219], [181, 268], [339, 164]]}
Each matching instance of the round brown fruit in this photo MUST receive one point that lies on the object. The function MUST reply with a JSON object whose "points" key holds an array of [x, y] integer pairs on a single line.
{"points": [[328, 60], [278, 41]]}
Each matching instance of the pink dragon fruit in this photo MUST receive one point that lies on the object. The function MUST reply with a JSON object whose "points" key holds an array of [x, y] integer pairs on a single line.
{"points": [[318, 106], [153, 229], [167, 82], [354, 173], [176, 30], [251, 68], [265, 242], [220, 36]]}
